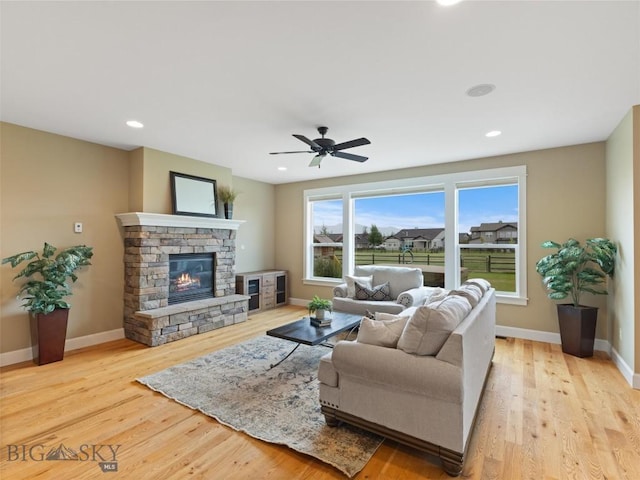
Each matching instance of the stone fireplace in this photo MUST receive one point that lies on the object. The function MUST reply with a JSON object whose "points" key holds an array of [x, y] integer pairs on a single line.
{"points": [[179, 276]]}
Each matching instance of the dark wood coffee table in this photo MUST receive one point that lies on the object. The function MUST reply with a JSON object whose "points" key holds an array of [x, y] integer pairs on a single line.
{"points": [[302, 332]]}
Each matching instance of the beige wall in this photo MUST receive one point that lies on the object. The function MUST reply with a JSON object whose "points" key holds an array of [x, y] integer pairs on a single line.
{"points": [[620, 217], [565, 198], [48, 182], [155, 176], [136, 180], [255, 245]]}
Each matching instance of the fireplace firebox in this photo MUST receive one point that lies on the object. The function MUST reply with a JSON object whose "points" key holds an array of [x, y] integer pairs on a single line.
{"points": [[191, 277]]}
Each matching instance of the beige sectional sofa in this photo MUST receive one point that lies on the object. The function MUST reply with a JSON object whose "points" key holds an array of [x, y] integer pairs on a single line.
{"points": [[423, 387]]}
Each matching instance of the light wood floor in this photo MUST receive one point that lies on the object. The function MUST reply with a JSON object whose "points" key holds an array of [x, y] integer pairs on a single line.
{"points": [[545, 415]]}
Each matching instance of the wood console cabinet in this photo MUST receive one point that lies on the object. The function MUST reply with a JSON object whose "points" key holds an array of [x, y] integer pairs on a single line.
{"points": [[266, 288]]}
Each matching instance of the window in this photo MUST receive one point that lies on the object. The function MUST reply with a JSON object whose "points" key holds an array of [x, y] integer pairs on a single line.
{"points": [[492, 210], [472, 223], [326, 246]]}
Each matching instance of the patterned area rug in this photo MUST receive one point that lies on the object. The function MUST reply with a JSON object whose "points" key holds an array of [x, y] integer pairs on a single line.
{"points": [[280, 405]]}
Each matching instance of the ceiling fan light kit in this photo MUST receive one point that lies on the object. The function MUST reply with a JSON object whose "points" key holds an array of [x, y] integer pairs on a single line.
{"points": [[326, 146]]}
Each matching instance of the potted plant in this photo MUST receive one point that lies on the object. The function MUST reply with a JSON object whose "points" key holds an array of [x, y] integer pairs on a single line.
{"points": [[227, 195], [319, 306], [569, 272], [44, 292]]}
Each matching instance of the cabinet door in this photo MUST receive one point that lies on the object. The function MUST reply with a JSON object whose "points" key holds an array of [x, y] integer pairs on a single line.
{"points": [[253, 289], [281, 289]]}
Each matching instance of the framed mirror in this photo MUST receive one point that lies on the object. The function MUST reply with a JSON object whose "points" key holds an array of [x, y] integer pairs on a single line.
{"points": [[191, 195]]}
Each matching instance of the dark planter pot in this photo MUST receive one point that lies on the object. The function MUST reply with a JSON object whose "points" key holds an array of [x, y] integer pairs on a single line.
{"points": [[577, 329], [228, 211], [48, 335]]}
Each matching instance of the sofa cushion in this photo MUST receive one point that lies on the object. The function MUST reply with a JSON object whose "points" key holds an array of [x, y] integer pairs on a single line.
{"points": [[367, 281], [383, 333], [430, 326], [472, 292], [484, 284], [379, 293]]}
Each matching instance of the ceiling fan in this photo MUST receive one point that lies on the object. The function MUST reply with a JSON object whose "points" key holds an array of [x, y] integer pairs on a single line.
{"points": [[325, 146]]}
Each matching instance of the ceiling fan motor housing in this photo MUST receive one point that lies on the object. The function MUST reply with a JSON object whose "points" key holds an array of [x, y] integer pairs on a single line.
{"points": [[325, 143]]}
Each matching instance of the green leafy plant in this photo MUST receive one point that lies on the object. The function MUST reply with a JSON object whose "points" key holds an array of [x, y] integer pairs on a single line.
{"points": [[575, 269], [226, 194], [45, 294], [318, 303]]}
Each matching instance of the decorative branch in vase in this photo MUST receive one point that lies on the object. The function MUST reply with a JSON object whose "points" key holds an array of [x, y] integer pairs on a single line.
{"points": [[227, 195]]}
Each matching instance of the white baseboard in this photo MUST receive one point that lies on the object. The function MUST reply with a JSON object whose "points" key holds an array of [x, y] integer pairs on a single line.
{"points": [[547, 337], [26, 354], [299, 302], [625, 369]]}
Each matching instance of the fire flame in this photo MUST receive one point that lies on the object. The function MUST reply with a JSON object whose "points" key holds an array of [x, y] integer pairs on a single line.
{"points": [[186, 281]]}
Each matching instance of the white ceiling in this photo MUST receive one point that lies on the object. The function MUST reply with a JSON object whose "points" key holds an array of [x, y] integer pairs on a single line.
{"points": [[229, 82]]}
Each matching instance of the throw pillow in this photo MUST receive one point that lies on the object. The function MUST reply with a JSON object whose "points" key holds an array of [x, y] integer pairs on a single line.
{"points": [[381, 333], [472, 292], [378, 293], [430, 326], [480, 282], [351, 279]]}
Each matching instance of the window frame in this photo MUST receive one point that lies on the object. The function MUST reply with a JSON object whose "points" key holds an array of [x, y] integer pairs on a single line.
{"points": [[309, 240], [450, 184]]}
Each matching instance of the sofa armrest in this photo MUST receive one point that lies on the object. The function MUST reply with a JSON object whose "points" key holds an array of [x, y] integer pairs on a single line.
{"points": [[340, 290], [414, 297], [398, 370]]}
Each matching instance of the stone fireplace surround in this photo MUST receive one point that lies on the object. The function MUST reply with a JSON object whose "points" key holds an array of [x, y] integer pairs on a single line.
{"points": [[149, 239]]}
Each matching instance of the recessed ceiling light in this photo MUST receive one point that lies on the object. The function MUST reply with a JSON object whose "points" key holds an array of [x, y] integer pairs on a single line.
{"points": [[282, 169], [481, 90], [493, 133], [448, 3], [134, 124]]}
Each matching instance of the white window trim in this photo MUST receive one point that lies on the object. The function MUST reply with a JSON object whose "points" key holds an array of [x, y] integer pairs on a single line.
{"points": [[449, 183]]}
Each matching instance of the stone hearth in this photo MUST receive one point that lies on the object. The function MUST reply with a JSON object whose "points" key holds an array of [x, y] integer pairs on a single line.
{"points": [[149, 240]]}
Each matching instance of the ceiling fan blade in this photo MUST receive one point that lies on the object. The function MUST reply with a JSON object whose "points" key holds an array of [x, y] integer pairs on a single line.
{"points": [[352, 143], [315, 162], [314, 146], [350, 156], [297, 151]]}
